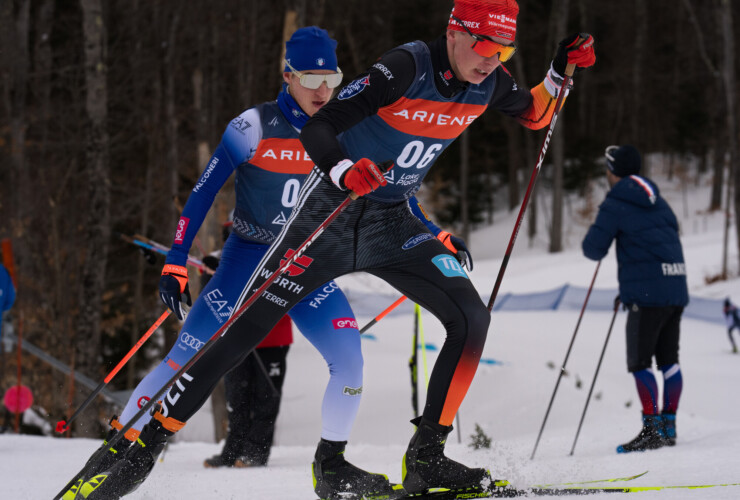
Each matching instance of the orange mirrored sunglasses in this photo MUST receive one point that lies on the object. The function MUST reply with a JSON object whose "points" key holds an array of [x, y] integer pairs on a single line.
{"points": [[484, 46]]}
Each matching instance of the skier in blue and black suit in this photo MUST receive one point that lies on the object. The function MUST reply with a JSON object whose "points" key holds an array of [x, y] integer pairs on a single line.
{"points": [[261, 146]]}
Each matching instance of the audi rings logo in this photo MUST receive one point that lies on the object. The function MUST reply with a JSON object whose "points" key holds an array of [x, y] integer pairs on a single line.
{"points": [[191, 341]]}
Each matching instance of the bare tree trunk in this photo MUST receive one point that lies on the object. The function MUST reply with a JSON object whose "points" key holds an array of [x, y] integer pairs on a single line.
{"points": [[251, 58], [728, 77], [290, 24], [140, 87], [638, 56], [560, 16], [529, 162], [514, 147], [15, 64], [714, 160], [43, 68], [171, 125], [716, 196], [97, 223]]}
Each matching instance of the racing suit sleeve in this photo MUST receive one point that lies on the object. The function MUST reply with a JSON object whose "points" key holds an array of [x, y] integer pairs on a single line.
{"points": [[532, 108], [238, 144], [421, 214], [382, 84]]}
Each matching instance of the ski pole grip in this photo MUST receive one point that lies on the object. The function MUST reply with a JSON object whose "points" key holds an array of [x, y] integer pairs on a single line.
{"points": [[571, 68]]}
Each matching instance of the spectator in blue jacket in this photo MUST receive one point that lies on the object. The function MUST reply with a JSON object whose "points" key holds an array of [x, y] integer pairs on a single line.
{"points": [[7, 295], [652, 286]]}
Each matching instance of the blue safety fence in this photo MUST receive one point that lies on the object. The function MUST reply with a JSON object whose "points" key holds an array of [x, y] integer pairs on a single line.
{"points": [[566, 297]]}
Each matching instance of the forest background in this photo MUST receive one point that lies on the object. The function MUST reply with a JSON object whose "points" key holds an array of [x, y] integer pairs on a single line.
{"points": [[110, 111]]}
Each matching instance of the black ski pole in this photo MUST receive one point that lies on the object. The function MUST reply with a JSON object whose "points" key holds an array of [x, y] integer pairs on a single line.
{"points": [[569, 70], [565, 361], [383, 314], [596, 374], [414, 366], [221, 331]]}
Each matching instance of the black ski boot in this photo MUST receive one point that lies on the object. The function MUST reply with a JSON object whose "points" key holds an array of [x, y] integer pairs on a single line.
{"points": [[335, 478], [651, 437], [228, 454], [669, 428], [93, 466], [425, 465], [217, 461], [128, 473]]}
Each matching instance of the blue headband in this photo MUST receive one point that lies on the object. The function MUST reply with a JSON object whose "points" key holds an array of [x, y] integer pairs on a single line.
{"points": [[311, 48]]}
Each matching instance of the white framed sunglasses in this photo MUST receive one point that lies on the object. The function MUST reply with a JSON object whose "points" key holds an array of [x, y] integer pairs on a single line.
{"points": [[314, 81]]}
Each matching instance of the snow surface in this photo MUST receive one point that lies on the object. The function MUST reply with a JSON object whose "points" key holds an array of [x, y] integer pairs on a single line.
{"points": [[507, 399]]}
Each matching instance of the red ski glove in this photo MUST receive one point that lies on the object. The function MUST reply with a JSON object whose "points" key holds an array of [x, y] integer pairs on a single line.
{"points": [[582, 55], [362, 177]]}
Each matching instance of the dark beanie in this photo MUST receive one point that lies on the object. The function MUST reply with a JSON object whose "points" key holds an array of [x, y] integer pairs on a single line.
{"points": [[311, 48], [623, 161]]}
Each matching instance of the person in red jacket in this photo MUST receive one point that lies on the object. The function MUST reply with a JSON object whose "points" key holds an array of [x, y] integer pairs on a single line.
{"points": [[253, 393]]}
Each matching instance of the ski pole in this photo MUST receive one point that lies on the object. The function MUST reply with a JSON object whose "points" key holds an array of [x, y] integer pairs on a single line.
{"points": [[63, 425], [569, 69], [596, 374], [219, 333], [149, 244], [383, 314], [565, 361], [414, 365]]}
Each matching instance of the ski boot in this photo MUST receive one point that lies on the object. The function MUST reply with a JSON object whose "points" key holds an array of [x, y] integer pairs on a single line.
{"points": [[669, 428], [228, 455], [425, 466], [335, 478], [217, 461], [223, 460], [237, 452], [651, 437], [105, 460], [129, 472]]}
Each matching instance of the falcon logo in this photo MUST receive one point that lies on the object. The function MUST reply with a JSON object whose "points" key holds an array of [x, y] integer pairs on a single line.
{"points": [[294, 269]]}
